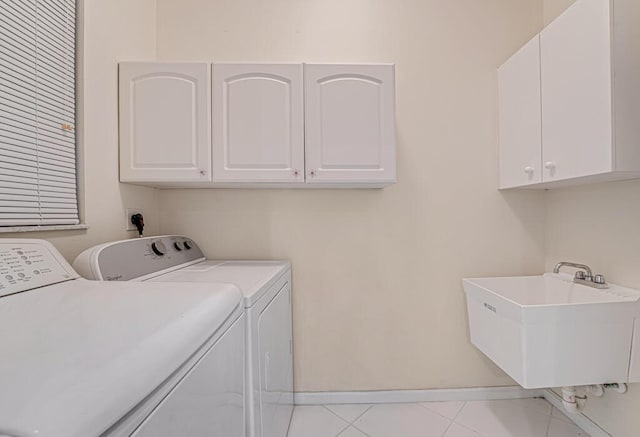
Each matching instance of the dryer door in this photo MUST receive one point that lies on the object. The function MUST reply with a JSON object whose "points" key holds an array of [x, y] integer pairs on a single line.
{"points": [[276, 365]]}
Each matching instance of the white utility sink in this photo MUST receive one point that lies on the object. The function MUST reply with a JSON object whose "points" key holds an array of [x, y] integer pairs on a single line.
{"points": [[547, 331]]}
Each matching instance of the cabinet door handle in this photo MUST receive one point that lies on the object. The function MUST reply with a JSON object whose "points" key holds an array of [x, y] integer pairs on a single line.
{"points": [[549, 165], [529, 170]]}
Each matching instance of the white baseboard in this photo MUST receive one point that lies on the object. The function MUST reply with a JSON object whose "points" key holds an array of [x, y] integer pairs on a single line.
{"points": [[442, 395], [406, 396], [581, 421]]}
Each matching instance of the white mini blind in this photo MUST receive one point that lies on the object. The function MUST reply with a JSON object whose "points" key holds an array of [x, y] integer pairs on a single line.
{"points": [[37, 113]]}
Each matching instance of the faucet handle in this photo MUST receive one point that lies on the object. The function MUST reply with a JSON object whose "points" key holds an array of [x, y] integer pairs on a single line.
{"points": [[581, 275], [599, 279]]}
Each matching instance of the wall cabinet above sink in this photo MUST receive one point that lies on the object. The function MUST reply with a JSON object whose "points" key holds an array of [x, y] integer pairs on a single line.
{"points": [[257, 125], [570, 100]]}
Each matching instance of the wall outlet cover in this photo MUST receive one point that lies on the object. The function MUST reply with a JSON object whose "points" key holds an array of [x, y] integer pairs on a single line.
{"points": [[128, 213]]}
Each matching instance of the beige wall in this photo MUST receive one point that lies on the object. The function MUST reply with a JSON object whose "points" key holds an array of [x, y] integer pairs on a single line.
{"points": [[378, 302], [553, 8], [109, 31], [598, 225]]}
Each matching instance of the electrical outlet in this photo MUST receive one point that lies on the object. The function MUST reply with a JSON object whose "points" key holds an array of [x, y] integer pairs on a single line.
{"points": [[130, 212]]}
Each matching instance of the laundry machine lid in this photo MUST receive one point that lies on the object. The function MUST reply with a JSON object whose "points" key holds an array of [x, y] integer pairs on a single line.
{"points": [[176, 258], [79, 355], [253, 278]]}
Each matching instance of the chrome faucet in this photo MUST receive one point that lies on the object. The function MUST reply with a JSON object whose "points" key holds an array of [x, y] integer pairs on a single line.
{"points": [[584, 275], [561, 264]]}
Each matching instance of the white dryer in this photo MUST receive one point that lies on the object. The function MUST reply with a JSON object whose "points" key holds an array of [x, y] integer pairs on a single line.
{"points": [[266, 286], [85, 358]]}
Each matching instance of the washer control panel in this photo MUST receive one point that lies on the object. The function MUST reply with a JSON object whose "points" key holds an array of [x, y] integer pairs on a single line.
{"points": [[136, 258], [28, 264]]}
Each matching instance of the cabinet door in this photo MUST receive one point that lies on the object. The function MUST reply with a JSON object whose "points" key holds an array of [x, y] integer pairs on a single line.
{"points": [[520, 119], [350, 123], [165, 122], [576, 92], [258, 133]]}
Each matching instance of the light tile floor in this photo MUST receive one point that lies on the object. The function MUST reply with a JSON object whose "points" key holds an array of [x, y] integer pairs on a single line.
{"points": [[508, 418]]}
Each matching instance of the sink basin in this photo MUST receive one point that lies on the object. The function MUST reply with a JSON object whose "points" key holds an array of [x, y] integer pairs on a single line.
{"points": [[547, 331]]}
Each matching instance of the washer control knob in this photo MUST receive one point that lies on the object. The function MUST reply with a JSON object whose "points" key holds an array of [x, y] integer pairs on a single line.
{"points": [[158, 248], [178, 246], [187, 244]]}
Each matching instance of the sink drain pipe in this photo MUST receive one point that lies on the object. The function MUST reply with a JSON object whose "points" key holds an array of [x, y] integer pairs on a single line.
{"points": [[572, 400]]}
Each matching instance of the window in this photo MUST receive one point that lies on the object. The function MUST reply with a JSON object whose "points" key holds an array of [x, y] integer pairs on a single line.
{"points": [[37, 113]]}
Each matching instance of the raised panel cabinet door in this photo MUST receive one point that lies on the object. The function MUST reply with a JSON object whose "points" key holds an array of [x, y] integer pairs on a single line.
{"points": [[258, 131], [577, 137], [520, 118], [165, 122], [350, 124]]}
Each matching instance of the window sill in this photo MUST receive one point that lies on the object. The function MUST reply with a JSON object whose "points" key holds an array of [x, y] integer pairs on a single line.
{"points": [[42, 228]]}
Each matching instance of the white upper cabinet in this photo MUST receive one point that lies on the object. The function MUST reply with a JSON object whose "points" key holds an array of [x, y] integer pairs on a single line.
{"points": [[589, 94], [350, 124], [258, 131], [576, 92], [257, 125], [165, 122], [520, 120]]}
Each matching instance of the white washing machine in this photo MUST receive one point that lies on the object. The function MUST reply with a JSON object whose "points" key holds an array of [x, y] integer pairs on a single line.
{"points": [[85, 358], [266, 286]]}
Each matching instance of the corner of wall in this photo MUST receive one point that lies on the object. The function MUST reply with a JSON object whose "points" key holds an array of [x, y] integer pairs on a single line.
{"points": [[552, 8]]}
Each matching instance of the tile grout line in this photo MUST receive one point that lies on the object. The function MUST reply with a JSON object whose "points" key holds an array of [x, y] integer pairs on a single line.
{"points": [[422, 404], [335, 414], [459, 424], [466, 426], [350, 423], [549, 424], [345, 420], [356, 419], [460, 410], [452, 421], [550, 418], [341, 418], [470, 429], [358, 429], [362, 414], [444, 433], [343, 430]]}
